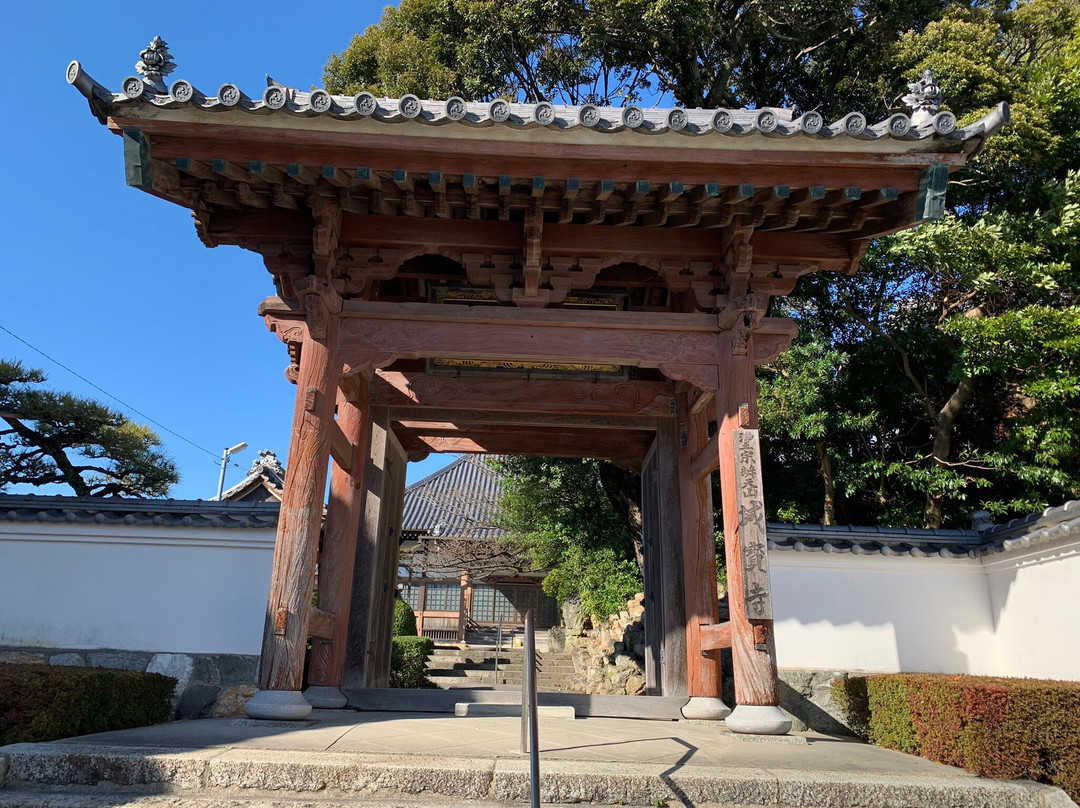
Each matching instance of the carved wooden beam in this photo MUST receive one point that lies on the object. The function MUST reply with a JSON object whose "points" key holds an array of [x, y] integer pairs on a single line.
{"points": [[413, 417], [375, 334], [630, 446], [420, 392]]}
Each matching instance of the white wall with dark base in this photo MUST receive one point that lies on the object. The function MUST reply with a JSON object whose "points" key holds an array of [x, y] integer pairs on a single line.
{"points": [[198, 590], [1011, 613]]}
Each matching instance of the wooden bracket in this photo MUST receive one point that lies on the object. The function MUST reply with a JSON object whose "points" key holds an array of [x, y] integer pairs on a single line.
{"points": [[715, 636], [321, 624], [744, 416], [705, 461], [311, 399], [534, 232], [340, 448], [761, 635]]}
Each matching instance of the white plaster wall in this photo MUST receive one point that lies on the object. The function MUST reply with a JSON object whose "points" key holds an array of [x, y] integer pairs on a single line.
{"points": [[137, 588], [1035, 594], [882, 614]]}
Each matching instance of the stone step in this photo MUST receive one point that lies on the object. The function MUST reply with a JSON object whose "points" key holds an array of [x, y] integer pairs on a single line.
{"points": [[34, 798], [72, 775]]}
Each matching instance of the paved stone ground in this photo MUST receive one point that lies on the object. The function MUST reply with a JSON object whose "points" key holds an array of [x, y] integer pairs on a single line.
{"points": [[593, 760]]}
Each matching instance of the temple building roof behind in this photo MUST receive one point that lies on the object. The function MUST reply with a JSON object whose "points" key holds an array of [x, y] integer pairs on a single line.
{"points": [[460, 501]]}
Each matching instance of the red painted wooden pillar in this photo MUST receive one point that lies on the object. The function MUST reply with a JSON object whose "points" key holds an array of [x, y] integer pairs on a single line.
{"points": [[338, 557], [753, 651], [288, 611], [704, 675]]}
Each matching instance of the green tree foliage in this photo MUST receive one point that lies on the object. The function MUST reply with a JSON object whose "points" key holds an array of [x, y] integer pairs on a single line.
{"points": [[52, 437], [960, 336], [701, 53], [559, 517]]}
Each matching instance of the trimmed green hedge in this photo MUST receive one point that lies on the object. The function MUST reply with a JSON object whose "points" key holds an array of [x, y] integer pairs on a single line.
{"points": [[43, 703], [404, 619], [1002, 728], [408, 662]]}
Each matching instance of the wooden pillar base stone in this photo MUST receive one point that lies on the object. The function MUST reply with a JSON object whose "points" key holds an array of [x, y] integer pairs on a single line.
{"points": [[758, 719], [705, 708], [278, 705], [325, 697]]}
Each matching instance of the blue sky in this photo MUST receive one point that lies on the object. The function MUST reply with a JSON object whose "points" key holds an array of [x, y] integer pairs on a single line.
{"points": [[113, 282]]}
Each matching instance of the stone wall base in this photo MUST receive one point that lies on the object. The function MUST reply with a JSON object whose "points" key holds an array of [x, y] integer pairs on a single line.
{"points": [[207, 685], [806, 695]]}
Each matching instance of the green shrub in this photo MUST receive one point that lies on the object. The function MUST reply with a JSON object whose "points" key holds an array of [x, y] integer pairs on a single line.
{"points": [[404, 619], [42, 703], [1001, 728], [408, 661]]}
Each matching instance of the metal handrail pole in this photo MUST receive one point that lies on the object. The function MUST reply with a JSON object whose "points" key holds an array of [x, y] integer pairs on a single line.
{"points": [[534, 728], [498, 650], [525, 698]]}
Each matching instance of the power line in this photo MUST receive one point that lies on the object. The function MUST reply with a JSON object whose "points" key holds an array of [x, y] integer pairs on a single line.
{"points": [[140, 413]]}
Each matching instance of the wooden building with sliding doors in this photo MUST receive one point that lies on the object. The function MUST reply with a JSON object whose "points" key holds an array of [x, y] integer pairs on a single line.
{"points": [[457, 573], [532, 279]]}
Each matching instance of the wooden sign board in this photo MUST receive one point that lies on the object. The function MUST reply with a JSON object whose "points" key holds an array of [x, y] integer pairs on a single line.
{"points": [[753, 542]]}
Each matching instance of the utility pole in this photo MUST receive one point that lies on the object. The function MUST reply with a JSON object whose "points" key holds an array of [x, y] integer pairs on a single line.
{"points": [[225, 462]]}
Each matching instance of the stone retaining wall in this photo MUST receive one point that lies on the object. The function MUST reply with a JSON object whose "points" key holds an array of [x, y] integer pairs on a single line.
{"points": [[609, 658], [207, 685]]}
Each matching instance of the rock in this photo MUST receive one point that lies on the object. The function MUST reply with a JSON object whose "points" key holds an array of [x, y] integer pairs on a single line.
{"points": [[22, 658], [807, 697], [197, 701], [635, 685], [123, 660], [230, 702], [178, 666], [557, 639], [236, 669], [573, 618], [67, 660], [798, 680]]}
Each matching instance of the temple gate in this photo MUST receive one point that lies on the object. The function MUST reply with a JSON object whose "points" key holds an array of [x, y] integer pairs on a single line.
{"points": [[530, 279]]}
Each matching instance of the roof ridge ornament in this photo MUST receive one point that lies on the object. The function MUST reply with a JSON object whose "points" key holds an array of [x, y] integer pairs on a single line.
{"points": [[155, 62], [924, 98]]}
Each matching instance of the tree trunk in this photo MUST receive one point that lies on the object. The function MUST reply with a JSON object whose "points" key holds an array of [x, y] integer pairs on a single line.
{"points": [[623, 489], [828, 516], [943, 434]]}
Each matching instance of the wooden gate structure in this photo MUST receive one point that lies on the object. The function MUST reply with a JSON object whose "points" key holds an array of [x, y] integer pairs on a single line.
{"points": [[531, 279]]}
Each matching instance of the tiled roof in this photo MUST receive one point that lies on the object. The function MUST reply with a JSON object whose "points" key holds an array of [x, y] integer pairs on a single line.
{"points": [[1051, 524], [888, 541], [929, 124], [120, 511], [1054, 523], [460, 501]]}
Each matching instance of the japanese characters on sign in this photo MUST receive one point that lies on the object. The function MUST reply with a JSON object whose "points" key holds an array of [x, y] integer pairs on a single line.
{"points": [[752, 538]]}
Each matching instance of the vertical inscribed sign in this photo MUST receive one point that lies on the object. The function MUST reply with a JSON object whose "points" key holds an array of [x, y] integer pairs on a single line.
{"points": [[752, 540]]}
